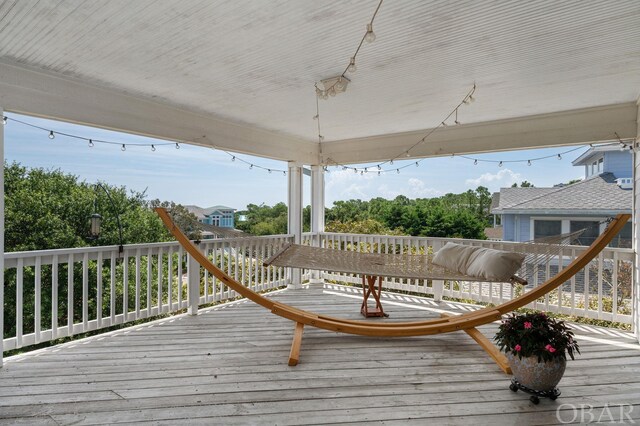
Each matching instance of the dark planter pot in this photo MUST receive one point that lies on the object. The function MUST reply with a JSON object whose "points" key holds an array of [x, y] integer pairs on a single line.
{"points": [[541, 376]]}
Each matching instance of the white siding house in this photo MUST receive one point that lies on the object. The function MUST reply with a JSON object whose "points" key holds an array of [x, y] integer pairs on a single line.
{"points": [[530, 213]]}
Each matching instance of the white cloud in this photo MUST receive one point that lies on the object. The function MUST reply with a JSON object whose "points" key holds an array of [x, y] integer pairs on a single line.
{"points": [[418, 189], [345, 184], [414, 188], [503, 178]]}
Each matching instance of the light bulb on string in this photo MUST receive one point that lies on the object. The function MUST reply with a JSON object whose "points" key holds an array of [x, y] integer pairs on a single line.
{"points": [[379, 168], [269, 170], [250, 166], [177, 145], [153, 148], [5, 120], [361, 172], [398, 171], [51, 135], [352, 65], [233, 158], [407, 154], [444, 124], [500, 164], [90, 143], [475, 162], [370, 36], [471, 98], [123, 147], [391, 162], [559, 157], [528, 162], [284, 172], [366, 170], [378, 172], [417, 164], [355, 170]]}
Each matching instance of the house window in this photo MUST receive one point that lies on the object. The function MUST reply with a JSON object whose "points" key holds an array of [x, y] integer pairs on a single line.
{"points": [[601, 165], [591, 230], [546, 228]]}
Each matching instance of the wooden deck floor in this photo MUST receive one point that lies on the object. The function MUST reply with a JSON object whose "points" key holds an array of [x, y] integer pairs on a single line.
{"points": [[228, 365]]}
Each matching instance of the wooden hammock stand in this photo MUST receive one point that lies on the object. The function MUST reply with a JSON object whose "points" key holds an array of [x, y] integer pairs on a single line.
{"points": [[466, 322]]}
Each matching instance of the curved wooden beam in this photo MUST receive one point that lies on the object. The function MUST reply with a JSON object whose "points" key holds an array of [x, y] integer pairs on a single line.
{"points": [[397, 329]]}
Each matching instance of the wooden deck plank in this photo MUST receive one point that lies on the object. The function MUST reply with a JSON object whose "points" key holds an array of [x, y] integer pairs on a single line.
{"points": [[228, 365]]}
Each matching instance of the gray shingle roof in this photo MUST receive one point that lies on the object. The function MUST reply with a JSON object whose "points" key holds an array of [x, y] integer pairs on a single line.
{"points": [[596, 195]]}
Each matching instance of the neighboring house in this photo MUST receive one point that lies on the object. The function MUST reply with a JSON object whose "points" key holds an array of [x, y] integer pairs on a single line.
{"points": [[221, 216], [606, 190]]}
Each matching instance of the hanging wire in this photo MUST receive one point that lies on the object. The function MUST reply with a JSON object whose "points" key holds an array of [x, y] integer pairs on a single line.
{"points": [[123, 146]]}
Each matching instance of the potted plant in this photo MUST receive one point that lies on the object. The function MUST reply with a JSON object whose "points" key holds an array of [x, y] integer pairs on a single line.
{"points": [[536, 347]]}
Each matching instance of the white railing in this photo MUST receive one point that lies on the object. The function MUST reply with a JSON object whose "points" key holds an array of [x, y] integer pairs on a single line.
{"points": [[603, 290], [50, 294]]}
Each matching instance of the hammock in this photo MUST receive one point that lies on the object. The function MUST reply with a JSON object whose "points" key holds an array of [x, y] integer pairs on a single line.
{"points": [[466, 322], [412, 266]]}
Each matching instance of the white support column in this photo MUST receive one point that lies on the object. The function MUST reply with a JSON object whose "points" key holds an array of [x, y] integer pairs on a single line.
{"points": [[317, 213], [1, 239], [295, 216], [636, 231]]}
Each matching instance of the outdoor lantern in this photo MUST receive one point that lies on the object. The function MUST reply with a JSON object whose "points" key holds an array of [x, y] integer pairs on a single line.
{"points": [[96, 220]]}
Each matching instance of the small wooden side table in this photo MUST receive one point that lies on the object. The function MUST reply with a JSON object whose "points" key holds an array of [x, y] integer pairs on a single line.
{"points": [[369, 289]]}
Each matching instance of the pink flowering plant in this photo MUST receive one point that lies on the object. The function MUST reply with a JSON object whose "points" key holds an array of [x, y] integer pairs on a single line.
{"points": [[538, 335]]}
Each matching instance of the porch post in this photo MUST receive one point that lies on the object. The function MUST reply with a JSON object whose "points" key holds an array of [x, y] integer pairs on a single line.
{"points": [[295, 216], [1, 238], [636, 231], [317, 213]]}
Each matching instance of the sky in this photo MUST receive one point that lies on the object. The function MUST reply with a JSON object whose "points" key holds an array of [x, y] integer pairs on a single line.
{"points": [[207, 177]]}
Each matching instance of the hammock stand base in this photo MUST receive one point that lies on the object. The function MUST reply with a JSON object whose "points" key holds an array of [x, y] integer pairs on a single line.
{"points": [[466, 322], [369, 289]]}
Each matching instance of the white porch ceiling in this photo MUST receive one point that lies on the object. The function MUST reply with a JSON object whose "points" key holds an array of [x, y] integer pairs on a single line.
{"points": [[251, 66]]}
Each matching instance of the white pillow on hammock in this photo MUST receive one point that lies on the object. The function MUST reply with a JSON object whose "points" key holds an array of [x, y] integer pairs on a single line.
{"points": [[490, 264]]}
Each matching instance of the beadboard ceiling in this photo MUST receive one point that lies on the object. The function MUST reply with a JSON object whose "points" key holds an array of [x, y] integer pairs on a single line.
{"points": [[254, 62]]}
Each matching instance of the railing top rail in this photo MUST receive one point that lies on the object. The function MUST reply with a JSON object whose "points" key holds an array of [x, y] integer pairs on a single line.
{"points": [[461, 240], [132, 247]]}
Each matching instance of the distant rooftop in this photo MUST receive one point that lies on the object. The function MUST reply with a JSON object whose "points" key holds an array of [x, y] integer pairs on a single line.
{"points": [[596, 195]]}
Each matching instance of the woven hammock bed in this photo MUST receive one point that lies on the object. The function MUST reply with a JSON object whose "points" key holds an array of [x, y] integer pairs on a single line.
{"points": [[466, 322], [371, 264]]}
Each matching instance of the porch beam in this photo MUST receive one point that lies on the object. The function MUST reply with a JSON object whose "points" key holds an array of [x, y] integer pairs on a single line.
{"points": [[294, 215], [44, 95], [317, 212], [537, 131]]}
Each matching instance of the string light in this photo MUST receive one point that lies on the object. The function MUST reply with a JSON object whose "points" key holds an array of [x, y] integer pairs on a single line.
{"points": [[475, 162], [559, 157], [370, 36], [500, 164], [123, 147], [352, 65], [528, 162]]}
